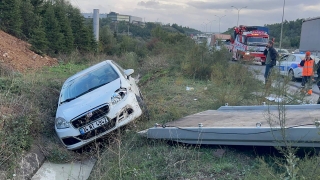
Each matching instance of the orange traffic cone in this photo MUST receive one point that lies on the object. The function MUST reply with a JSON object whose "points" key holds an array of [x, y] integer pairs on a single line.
{"points": [[309, 92]]}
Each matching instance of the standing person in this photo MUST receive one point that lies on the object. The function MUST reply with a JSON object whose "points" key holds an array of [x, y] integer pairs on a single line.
{"points": [[307, 72], [271, 58], [318, 78], [318, 84]]}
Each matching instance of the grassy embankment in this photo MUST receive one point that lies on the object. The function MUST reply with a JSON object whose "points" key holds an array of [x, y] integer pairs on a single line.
{"points": [[28, 104]]}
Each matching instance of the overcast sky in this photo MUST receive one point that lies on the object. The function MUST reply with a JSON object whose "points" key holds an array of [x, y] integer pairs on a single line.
{"points": [[204, 14]]}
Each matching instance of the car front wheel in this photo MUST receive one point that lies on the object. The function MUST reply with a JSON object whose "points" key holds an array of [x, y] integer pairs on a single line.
{"points": [[291, 75]]}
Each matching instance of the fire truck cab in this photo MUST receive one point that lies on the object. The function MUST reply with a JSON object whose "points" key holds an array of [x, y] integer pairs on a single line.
{"points": [[249, 42]]}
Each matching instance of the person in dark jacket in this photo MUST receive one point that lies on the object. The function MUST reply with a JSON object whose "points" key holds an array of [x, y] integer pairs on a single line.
{"points": [[271, 58]]}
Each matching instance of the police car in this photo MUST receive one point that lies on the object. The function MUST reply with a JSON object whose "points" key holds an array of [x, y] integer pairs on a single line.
{"points": [[289, 65]]}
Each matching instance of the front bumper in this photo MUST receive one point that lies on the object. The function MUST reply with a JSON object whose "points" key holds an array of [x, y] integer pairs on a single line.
{"points": [[120, 114], [256, 57]]}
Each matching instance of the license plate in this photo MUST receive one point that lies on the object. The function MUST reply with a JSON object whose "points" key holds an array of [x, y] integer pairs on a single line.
{"points": [[93, 125]]}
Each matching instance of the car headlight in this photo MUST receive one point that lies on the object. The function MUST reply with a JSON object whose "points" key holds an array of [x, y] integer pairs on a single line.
{"points": [[118, 96], [247, 53], [62, 123]]}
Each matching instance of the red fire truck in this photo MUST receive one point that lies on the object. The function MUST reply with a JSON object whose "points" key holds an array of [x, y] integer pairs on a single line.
{"points": [[249, 42]]}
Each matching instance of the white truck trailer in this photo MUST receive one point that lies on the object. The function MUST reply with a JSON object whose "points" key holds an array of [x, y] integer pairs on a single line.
{"points": [[310, 36]]}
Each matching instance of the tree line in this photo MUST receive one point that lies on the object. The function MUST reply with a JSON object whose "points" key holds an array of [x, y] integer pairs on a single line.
{"points": [[291, 33], [56, 27], [50, 26]]}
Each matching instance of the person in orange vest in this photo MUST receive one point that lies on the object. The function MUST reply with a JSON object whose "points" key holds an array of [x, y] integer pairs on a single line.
{"points": [[307, 72], [318, 78]]}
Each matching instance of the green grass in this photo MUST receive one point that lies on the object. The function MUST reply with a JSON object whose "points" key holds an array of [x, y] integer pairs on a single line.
{"points": [[139, 158], [30, 102]]}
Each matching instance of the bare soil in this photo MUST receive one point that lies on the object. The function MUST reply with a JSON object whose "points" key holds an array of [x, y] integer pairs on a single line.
{"points": [[16, 55]]}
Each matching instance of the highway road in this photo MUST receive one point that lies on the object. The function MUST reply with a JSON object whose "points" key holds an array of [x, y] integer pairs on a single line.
{"points": [[293, 86], [296, 84]]}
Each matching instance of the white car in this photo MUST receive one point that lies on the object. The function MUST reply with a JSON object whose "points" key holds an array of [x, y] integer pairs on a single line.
{"points": [[282, 52], [96, 101], [289, 65]]}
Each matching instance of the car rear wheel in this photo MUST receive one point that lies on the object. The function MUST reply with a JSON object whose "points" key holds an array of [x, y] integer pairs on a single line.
{"points": [[291, 75]]}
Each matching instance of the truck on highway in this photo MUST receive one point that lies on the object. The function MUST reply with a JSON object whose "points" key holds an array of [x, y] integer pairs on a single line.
{"points": [[220, 40], [249, 42], [310, 36]]}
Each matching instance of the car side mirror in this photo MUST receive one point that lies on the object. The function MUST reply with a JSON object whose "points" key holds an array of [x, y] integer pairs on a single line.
{"points": [[128, 72]]}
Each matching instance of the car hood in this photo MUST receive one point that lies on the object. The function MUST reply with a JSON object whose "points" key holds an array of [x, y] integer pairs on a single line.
{"points": [[88, 101]]}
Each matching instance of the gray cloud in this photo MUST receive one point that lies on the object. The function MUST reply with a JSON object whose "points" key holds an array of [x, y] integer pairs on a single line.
{"points": [[149, 4], [251, 4], [200, 14]]}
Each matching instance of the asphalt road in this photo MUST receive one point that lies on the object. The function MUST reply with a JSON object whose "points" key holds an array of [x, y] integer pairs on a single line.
{"points": [[296, 84]]}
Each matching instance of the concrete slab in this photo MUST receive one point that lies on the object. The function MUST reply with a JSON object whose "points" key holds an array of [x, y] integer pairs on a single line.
{"points": [[70, 171], [28, 164]]}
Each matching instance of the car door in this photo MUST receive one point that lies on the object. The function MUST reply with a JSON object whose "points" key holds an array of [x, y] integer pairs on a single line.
{"points": [[282, 64], [295, 66], [291, 64]]}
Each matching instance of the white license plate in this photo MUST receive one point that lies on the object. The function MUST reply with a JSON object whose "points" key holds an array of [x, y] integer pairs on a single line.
{"points": [[93, 125]]}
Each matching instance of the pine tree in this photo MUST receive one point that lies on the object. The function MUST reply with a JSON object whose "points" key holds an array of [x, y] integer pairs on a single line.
{"points": [[83, 35], [28, 18], [53, 30], [10, 16], [65, 25], [37, 4], [38, 39]]}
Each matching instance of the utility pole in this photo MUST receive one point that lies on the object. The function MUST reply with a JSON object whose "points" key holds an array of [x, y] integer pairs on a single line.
{"points": [[220, 20], [238, 12], [96, 18], [206, 26], [284, 3]]}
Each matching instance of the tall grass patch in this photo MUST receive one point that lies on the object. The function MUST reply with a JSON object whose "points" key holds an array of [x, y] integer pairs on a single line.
{"points": [[235, 84], [27, 111]]}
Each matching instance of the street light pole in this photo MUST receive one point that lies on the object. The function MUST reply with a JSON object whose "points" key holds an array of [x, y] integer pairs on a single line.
{"points": [[238, 12], [220, 20], [206, 25], [284, 3], [210, 24]]}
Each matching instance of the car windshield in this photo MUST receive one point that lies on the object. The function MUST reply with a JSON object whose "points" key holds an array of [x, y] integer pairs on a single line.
{"points": [[257, 40], [88, 82]]}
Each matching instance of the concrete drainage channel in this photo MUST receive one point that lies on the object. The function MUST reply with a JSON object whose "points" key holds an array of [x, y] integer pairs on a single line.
{"points": [[75, 170], [34, 166]]}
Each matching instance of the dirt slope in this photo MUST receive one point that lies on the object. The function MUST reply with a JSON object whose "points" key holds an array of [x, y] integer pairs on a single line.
{"points": [[15, 54]]}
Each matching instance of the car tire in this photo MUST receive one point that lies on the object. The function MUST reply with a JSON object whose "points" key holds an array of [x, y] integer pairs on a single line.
{"points": [[143, 106], [263, 63], [291, 75]]}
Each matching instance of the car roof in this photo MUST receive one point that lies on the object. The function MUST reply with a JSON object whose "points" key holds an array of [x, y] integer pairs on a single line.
{"points": [[80, 73], [301, 56], [282, 49]]}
